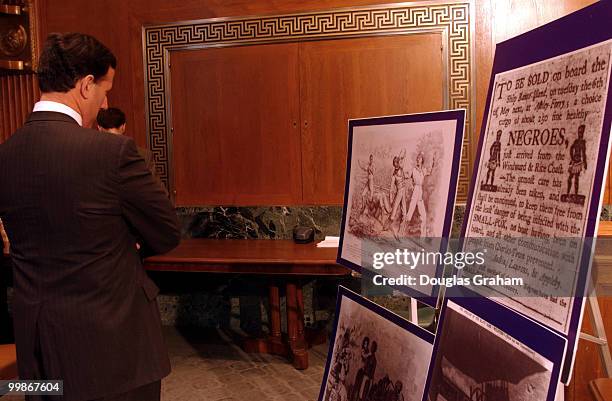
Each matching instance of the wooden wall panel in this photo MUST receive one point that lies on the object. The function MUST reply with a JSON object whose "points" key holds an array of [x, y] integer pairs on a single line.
{"points": [[119, 23], [514, 17], [355, 78], [240, 144], [18, 93], [107, 20]]}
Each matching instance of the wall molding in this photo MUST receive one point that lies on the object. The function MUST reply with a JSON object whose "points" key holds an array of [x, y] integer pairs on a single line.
{"points": [[454, 19]]}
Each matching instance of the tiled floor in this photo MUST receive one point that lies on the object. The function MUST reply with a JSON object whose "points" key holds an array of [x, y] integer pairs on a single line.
{"points": [[207, 366]]}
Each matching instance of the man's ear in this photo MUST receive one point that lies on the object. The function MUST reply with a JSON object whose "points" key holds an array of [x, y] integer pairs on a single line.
{"points": [[122, 129], [85, 86]]}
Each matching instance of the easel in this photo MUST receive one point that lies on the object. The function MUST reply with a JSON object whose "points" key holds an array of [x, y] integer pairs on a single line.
{"points": [[599, 336]]}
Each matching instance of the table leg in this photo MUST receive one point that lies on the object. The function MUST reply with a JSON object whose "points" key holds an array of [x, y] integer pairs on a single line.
{"points": [[291, 314], [300, 311], [297, 342], [276, 341], [295, 345]]}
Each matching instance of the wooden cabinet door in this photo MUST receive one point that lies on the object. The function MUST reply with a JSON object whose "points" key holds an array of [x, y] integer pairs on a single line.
{"points": [[236, 139], [354, 78]]}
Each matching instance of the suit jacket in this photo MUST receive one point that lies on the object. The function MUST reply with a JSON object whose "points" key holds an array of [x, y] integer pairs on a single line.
{"points": [[73, 201], [150, 163]]}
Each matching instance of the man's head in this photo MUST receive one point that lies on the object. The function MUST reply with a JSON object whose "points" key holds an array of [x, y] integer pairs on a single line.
{"points": [[420, 159], [581, 131], [499, 134], [77, 70], [111, 120]]}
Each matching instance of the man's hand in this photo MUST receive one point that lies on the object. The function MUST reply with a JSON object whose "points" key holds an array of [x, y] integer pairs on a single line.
{"points": [[4, 239]]}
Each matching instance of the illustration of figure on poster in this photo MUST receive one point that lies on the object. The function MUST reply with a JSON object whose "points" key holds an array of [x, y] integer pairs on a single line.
{"points": [[394, 199], [402, 175], [364, 387], [578, 163], [367, 194], [337, 389], [397, 196], [493, 164], [365, 374]]}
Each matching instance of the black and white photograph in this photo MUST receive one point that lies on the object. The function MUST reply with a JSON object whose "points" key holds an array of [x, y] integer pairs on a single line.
{"points": [[374, 355], [477, 360], [401, 183]]}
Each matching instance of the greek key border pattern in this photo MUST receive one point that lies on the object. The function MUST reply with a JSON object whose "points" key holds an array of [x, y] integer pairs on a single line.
{"points": [[453, 18]]}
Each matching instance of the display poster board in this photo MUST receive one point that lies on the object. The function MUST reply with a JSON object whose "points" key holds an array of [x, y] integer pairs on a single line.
{"points": [[537, 186], [401, 183], [484, 351], [374, 354]]}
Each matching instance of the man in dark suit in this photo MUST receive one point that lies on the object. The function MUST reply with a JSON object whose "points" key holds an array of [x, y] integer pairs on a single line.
{"points": [[73, 200]]}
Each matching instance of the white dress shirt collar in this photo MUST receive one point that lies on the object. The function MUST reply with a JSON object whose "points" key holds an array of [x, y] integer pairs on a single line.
{"points": [[48, 105]]}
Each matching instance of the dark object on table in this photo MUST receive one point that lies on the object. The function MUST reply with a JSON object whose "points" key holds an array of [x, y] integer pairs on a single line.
{"points": [[303, 235]]}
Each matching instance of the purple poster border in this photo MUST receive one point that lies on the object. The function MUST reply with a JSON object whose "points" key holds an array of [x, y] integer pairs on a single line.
{"points": [[586, 27], [457, 115]]}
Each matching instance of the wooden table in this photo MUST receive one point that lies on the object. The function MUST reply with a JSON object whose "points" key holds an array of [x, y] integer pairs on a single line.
{"points": [[8, 362], [283, 261], [601, 389], [274, 258], [602, 268]]}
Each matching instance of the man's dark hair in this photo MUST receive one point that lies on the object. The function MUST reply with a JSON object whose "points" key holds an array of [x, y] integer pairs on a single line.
{"points": [[110, 118], [68, 57]]}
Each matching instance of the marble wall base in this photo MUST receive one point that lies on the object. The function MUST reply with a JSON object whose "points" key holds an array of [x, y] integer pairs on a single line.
{"points": [[266, 222], [277, 222], [221, 305]]}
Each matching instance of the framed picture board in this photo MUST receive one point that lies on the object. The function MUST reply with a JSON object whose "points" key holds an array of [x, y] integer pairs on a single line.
{"points": [[374, 354], [401, 181], [484, 351], [542, 159]]}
